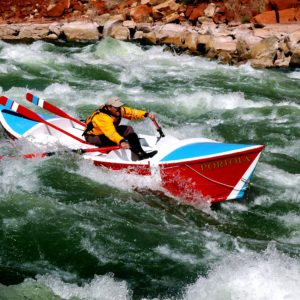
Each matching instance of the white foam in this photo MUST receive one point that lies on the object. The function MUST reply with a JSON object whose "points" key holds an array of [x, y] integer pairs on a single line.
{"points": [[250, 276], [203, 101], [18, 174], [292, 220], [175, 255], [278, 177], [101, 287], [294, 75], [118, 179]]}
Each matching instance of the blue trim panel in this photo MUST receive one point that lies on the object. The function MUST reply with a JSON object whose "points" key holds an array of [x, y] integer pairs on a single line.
{"points": [[35, 100], [18, 123], [201, 149]]}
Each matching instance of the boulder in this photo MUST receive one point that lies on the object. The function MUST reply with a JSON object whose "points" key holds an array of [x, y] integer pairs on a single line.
{"points": [[102, 19], [81, 31], [268, 17], [113, 21], [156, 2], [120, 32], [149, 38], [34, 32], [243, 51], [171, 34], [197, 12], [246, 35], [207, 27], [191, 41], [284, 4], [291, 15], [171, 18], [141, 14], [264, 52], [294, 40], [55, 28], [204, 43], [56, 8], [295, 59], [129, 24], [138, 35], [145, 27], [210, 10], [9, 32], [225, 43], [165, 8], [282, 61], [224, 57]]}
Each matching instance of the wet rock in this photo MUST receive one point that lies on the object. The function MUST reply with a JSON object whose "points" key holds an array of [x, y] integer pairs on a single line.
{"points": [[282, 61], [264, 52], [295, 59], [120, 32], [35, 32], [294, 40], [191, 41], [80, 31], [9, 32], [113, 21], [204, 43], [225, 43]]}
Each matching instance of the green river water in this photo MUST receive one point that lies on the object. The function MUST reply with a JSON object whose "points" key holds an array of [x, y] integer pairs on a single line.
{"points": [[69, 230]]}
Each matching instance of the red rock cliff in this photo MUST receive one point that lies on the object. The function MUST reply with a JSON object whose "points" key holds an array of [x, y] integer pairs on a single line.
{"points": [[258, 11]]}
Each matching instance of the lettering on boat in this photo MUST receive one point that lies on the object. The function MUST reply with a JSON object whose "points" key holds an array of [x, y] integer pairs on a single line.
{"points": [[223, 163]]}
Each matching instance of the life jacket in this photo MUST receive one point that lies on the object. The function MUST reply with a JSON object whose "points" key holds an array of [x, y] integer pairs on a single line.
{"points": [[103, 109]]}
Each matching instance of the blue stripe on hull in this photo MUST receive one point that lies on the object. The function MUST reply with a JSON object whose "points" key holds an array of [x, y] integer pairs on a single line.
{"points": [[19, 124], [201, 149]]}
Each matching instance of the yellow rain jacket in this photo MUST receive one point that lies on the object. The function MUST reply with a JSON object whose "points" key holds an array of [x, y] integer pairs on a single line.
{"points": [[102, 122]]}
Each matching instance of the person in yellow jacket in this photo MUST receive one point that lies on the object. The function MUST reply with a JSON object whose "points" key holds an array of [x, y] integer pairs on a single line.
{"points": [[103, 127]]}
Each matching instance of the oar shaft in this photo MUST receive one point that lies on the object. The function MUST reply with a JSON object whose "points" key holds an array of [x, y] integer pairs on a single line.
{"points": [[51, 108], [35, 117], [158, 128], [103, 150]]}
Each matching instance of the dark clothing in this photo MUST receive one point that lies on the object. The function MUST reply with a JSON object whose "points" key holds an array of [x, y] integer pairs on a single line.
{"points": [[101, 140]]}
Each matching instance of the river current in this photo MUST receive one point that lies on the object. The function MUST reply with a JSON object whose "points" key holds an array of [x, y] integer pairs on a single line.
{"points": [[69, 230]]}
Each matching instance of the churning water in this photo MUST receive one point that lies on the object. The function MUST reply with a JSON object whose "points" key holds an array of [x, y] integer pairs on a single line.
{"points": [[71, 231]]}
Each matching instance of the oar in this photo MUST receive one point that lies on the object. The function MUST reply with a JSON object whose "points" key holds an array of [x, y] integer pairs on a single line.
{"points": [[158, 128], [51, 108], [45, 154], [34, 116]]}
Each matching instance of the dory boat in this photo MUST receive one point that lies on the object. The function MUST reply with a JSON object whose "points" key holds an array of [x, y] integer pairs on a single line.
{"points": [[188, 169]]}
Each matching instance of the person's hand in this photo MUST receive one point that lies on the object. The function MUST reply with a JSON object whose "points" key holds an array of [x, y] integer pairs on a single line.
{"points": [[151, 116], [124, 145]]}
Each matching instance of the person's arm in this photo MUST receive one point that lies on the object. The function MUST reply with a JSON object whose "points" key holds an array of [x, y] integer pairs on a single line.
{"points": [[135, 114]]}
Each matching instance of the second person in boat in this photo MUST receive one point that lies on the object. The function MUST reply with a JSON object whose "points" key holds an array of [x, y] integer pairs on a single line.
{"points": [[103, 127]]}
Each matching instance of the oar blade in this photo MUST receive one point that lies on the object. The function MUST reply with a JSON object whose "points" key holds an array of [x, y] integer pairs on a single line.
{"points": [[50, 107], [4, 101], [14, 106], [26, 112]]}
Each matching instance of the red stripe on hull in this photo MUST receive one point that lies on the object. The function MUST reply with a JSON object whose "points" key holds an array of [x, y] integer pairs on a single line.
{"points": [[129, 168], [212, 178]]}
